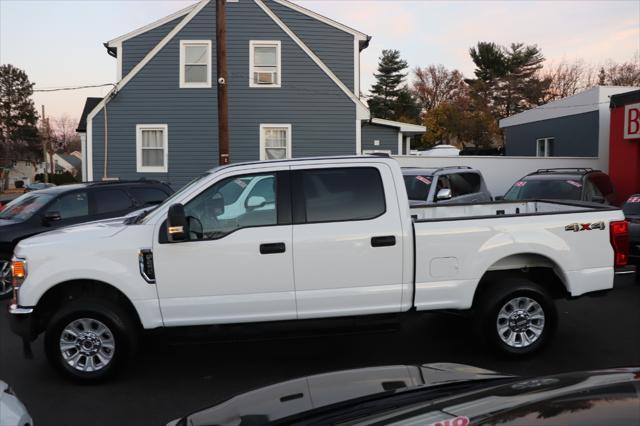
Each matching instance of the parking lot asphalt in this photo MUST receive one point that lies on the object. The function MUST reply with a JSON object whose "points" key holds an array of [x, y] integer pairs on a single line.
{"points": [[169, 378]]}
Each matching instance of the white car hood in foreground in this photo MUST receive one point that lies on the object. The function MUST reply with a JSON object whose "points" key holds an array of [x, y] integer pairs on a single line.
{"points": [[12, 412]]}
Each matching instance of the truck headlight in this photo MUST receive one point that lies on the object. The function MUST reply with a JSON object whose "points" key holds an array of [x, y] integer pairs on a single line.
{"points": [[18, 271]]}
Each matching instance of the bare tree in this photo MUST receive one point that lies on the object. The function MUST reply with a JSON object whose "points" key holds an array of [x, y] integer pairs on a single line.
{"points": [[623, 74], [64, 134], [436, 84], [566, 79]]}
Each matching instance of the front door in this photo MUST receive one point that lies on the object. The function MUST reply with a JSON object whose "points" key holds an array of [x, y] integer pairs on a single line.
{"points": [[237, 265], [347, 241]]}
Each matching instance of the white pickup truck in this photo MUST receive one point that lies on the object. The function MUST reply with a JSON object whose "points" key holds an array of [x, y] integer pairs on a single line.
{"points": [[315, 238]]}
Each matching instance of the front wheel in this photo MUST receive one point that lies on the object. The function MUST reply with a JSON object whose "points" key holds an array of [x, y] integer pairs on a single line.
{"points": [[6, 285], [517, 316], [89, 340]]}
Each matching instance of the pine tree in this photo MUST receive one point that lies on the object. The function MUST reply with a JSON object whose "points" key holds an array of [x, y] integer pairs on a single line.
{"points": [[18, 117], [508, 79], [387, 89]]}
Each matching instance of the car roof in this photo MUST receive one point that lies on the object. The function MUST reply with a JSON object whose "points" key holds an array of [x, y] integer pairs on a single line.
{"points": [[433, 170], [76, 186], [554, 176]]}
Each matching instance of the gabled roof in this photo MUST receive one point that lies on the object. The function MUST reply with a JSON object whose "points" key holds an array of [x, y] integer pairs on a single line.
{"points": [[403, 127], [73, 161], [114, 43], [89, 105]]}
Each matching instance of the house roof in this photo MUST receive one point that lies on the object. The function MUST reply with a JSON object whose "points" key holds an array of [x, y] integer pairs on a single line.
{"points": [[624, 98], [590, 100], [403, 127], [74, 161], [113, 44], [89, 105]]}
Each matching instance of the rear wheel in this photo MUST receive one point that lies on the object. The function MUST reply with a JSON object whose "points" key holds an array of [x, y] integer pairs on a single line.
{"points": [[89, 340], [517, 316]]}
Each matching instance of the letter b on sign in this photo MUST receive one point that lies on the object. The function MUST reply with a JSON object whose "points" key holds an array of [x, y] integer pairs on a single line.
{"points": [[632, 121]]}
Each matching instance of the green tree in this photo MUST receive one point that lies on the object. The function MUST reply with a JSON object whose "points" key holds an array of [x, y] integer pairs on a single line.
{"points": [[18, 117], [507, 79], [387, 90]]}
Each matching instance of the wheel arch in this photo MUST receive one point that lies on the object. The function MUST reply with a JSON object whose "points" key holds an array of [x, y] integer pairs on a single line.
{"points": [[66, 291], [536, 267]]}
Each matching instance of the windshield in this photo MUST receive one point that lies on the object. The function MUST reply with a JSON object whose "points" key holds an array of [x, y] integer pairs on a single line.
{"points": [[632, 206], [23, 207], [417, 186], [175, 195], [555, 189]]}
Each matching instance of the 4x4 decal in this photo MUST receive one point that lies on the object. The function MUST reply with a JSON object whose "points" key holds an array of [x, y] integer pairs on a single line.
{"points": [[577, 227]]}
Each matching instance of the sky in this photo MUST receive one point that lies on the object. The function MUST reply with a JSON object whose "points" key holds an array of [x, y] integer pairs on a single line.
{"points": [[59, 43]]}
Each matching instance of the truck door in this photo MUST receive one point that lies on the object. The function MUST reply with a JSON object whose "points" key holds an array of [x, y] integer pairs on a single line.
{"points": [[347, 241], [237, 265]]}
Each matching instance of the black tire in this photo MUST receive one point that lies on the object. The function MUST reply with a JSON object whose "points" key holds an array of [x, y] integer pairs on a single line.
{"points": [[510, 289], [121, 334]]}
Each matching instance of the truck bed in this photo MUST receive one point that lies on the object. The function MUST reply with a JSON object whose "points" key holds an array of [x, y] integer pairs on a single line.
{"points": [[501, 208], [455, 245]]}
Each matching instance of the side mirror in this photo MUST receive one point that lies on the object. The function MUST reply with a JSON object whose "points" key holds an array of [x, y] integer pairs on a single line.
{"points": [[51, 216], [443, 194], [255, 202], [498, 198], [177, 228], [598, 199]]}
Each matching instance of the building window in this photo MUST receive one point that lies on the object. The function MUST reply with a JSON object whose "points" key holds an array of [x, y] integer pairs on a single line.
{"points": [[544, 147], [152, 148], [195, 63], [275, 141], [264, 64]]}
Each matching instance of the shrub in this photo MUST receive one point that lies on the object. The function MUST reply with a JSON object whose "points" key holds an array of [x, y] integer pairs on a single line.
{"points": [[19, 184], [62, 178]]}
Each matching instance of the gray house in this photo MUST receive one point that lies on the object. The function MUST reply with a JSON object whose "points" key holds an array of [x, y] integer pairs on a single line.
{"points": [[576, 126], [293, 86]]}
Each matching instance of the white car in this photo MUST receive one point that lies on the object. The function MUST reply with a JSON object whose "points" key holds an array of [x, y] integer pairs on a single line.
{"points": [[12, 412], [328, 237]]}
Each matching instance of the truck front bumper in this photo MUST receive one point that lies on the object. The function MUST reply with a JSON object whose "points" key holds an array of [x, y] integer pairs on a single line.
{"points": [[22, 322]]}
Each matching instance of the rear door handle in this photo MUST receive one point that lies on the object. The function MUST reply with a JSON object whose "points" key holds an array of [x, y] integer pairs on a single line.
{"points": [[273, 248], [385, 241]]}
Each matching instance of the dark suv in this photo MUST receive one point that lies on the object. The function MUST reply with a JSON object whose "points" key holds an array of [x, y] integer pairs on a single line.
{"points": [[47, 209], [564, 184]]}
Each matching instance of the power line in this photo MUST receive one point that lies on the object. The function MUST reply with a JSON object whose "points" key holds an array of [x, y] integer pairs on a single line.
{"points": [[59, 89]]}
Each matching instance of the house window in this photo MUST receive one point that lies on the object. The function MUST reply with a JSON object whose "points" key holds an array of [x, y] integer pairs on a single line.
{"points": [[544, 147], [152, 148], [264, 64], [275, 141], [195, 63]]}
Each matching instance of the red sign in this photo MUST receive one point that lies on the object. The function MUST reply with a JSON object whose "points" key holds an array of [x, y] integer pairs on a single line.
{"points": [[632, 121]]}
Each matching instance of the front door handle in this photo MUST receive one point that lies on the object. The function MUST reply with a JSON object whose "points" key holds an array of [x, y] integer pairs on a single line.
{"points": [[273, 248], [386, 241]]}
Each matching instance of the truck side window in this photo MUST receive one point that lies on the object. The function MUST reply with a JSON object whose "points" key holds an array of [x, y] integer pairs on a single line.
{"points": [[231, 204], [342, 194]]}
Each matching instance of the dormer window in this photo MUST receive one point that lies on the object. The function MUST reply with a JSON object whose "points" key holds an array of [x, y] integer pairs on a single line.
{"points": [[195, 64], [264, 63]]}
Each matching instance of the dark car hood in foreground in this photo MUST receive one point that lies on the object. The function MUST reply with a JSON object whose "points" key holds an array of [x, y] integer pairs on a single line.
{"points": [[297, 396], [433, 394]]}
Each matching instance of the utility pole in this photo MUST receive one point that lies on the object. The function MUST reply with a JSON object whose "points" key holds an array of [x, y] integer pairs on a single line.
{"points": [[45, 151], [221, 62]]}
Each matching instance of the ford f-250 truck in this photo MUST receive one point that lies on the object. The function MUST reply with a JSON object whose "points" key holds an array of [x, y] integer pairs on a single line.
{"points": [[328, 237]]}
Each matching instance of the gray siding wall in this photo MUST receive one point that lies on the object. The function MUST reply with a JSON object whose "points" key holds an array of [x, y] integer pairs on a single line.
{"points": [[575, 136], [322, 117], [136, 48], [388, 137], [333, 46]]}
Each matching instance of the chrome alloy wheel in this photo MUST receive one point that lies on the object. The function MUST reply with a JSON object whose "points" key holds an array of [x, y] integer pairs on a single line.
{"points": [[6, 284], [87, 345], [520, 322]]}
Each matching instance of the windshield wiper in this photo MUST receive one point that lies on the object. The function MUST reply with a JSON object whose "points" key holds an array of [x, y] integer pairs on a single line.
{"points": [[137, 218]]}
